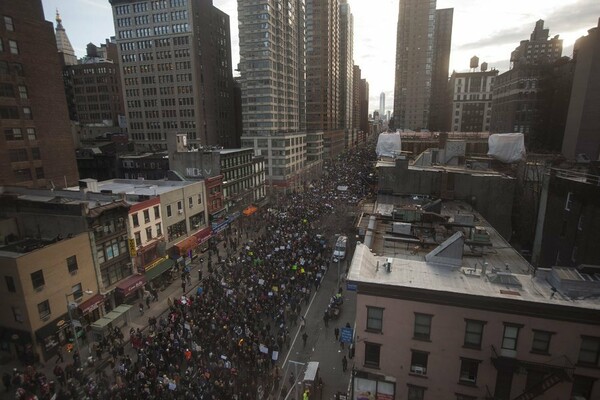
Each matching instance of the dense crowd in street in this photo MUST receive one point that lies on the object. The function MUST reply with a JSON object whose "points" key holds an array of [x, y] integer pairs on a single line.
{"points": [[225, 340]]}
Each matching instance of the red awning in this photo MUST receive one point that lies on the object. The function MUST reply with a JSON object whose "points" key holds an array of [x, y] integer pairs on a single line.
{"points": [[91, 304], [203, 235], [131, 284]]}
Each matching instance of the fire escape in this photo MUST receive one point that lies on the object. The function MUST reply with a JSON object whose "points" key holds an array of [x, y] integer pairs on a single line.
{"points": [[558, 370]]}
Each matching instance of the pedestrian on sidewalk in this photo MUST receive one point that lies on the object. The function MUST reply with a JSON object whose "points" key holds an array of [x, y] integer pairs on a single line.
{"points": [[6, 378], [336, 332], [344, 364], [304, 337], [148, 301], [141, 307], [326, 318], [302, 322], [59, 355]]}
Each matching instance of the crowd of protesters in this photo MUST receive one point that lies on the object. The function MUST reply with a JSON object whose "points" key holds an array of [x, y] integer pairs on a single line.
{"points": [[225, 340]]}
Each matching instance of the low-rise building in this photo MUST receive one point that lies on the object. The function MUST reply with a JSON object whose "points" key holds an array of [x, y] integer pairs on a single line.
{"points": [[451, 322]]}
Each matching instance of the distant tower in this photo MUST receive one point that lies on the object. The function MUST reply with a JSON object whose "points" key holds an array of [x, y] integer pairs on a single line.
{"points": [[63, 44], [382, 104]]}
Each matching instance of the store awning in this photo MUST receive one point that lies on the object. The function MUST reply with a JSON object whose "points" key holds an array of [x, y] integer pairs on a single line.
{"points": [[111, 317], [53, 327], [203, 235], [186, 244], [91, 304], [157, 270], [250, 210], [129, 285]]}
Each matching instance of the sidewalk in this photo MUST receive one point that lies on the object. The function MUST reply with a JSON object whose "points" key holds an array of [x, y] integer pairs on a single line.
{"points": [[156, 309]]}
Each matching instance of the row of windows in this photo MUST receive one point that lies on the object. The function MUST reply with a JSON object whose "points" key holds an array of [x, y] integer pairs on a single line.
{"points": [[138, 235], [13, 46], [589, 353], [37, 278]]}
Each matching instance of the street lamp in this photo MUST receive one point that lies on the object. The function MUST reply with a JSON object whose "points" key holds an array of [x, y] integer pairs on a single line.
{"points": [[71, 320]]}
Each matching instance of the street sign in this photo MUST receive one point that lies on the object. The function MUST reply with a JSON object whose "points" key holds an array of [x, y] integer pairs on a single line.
{"points": [[351, 287], [346, 335]]}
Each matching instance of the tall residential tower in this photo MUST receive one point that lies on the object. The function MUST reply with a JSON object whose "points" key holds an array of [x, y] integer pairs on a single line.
{"points": [[346, 64], [420, 61]]}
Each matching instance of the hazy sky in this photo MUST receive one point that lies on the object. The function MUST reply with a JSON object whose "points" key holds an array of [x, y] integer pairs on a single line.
{"points": [[490, 29]]}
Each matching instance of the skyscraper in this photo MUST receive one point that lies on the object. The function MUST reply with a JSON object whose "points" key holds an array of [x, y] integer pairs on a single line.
{"points": [[176, 71], [322, 65], [37, 149], [364, 105], [273, 67], [346, 64], [356, 76], [382, 105], [416, 55], [583, 123], [63, 43], [439, 110]]}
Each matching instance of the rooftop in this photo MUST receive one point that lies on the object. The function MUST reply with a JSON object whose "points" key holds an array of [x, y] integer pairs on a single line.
{"points": [[544, 287], [410, 227], [138, 187], [27, 245]]}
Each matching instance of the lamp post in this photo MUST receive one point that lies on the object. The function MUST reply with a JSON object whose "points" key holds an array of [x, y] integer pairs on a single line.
{"points": [[72, 321]]}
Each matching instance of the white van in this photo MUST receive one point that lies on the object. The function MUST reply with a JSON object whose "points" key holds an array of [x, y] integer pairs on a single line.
{"points": [[339, 250]]}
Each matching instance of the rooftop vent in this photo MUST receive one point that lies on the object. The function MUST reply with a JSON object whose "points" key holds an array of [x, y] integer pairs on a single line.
{"points": [[504, 278], [449, 253]]}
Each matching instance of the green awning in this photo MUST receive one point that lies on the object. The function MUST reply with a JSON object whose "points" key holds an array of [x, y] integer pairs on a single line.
{"points": [[159, 269]]}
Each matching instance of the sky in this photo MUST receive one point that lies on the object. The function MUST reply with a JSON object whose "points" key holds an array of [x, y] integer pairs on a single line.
{"points": [[489, 29]]}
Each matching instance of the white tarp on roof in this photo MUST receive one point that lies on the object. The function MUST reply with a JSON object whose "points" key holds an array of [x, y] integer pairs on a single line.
{"points": [[507, 147], [388, 144]]}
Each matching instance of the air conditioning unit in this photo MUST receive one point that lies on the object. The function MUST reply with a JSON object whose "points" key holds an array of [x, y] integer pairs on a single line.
{"points": [[74, 272], [416, 369], [39, 288], [46, 317], [179, 212]]}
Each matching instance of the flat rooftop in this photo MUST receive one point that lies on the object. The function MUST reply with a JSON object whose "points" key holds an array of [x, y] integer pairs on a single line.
{"points": [[139, 187], [366, 267], [427, 235]]}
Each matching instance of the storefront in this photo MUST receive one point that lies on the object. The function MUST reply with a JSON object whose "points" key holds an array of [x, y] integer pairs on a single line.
{"points": [[129, 289], [15, 342], [158, 273], [190, 248], [90, 310], [53, 335]]}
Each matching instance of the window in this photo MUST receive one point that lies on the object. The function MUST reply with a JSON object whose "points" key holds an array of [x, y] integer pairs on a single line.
{"points": [[136, 221], [37, 279], [77, 292], [418, 362], [416, 392], [511, 334], [374, 319], [199, 199], [10, 283], [146, 216], [473, 333], [31, 135], [72, 264], [44, 309], [468, 370], [372, 352], [35, 153], [14, 47], [541, 342], [23, 92], [191, 202], [158, 230], [39, 173], [169, 213], [138, 238], [582, 387], [156, 212], [569, 202], [149, 233], [17, 314], [8, 23], [27, 113], [589, 352], [422, 326], [6, 90], [179, 206]]}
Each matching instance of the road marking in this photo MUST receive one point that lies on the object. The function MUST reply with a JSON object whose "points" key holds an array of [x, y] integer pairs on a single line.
{"points": [[298, 331]]}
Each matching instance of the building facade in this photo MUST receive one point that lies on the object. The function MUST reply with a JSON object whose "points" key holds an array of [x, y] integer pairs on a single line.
{"points": [[346, 65], [363, 99], [583, 124], [93, 88], [356, 78], [516, 100], [34, 117], [439, 108], [421, 62], [445, 328], [176, 71], [42, 277], [472, 100], [382, 105]]}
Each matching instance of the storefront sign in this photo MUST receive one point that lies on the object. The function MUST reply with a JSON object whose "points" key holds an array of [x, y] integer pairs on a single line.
{"points": [[154, 263], [132, 248], [131, 284]]}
